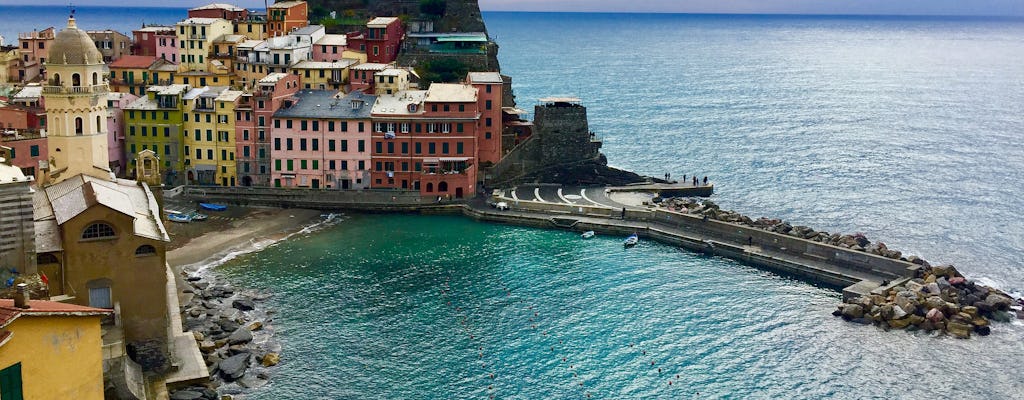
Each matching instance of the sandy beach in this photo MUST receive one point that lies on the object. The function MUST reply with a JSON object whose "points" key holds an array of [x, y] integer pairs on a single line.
{"points": [[196, 242]]}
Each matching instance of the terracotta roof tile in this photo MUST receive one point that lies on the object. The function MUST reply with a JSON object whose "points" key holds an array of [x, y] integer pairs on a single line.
{"points": [[49, 307], [134, 62]]}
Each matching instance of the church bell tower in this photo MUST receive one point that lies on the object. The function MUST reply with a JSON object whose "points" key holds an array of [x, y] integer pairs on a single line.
{"points": [[76, 107]]}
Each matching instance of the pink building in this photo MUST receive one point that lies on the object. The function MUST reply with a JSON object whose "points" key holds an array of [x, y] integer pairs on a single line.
{"points": [[330, 48], [156, 41], [489, 87], [253, 117], [115, 130], [323, 141], [21, 129], [361, 76]]}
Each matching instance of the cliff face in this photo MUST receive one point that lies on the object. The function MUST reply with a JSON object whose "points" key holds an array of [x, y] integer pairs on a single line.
{"points": [[458, 15]]}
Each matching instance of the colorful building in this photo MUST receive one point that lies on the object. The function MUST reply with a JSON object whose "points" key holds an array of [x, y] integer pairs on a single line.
{"points": [[426, 140], [210, 137], [490, 89], [381, 39], [99, 239], [219, 10], [330, 48], [195, 40], [363, 76], [133, 74], [112, 44], [50, 350], [156, 122], [323, 75], [35, 48], [116, 102], [253, 27], [253, 120], [322, 141], [283, 16]]}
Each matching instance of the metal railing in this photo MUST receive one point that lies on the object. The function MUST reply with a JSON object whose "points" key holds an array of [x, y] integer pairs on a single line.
{"points": [[92, 89]]}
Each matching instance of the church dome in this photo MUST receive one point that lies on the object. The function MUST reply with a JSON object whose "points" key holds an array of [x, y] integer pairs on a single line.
{"points": [[72, 46]]}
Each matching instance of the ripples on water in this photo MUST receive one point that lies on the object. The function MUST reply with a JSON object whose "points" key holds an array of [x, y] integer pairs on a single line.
{"points": [[906, 129], [363, 315]]}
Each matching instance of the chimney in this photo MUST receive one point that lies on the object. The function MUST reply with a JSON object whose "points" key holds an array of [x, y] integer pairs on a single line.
{"points": [[21, 297]]}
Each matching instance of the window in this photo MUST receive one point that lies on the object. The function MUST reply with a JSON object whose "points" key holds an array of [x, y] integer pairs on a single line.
{"points": [[419, 148], [391, 147], [316, 145], [488, 104], [291, 165], [405, 127], [458, 127], [488, 90], [487, 122], [302, 144], [405, 148], [344, 145], [444, 148], [362, 146], [277, 165], [330, 126], [289, 144], [379, 147], [458, 148], [462, 108], [98, 230], [303, 125], [277, 143], [10, 377], [145, 250], [432, 148], [34, 151], [302, 164]]}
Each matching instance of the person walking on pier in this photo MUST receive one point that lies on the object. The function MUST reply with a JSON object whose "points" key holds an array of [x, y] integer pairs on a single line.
{"points": [[623, 212], [705, 180], [695, 180]]}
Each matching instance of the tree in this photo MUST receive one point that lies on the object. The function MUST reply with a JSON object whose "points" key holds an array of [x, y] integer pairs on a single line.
{"points": [[433, 7], [443, 70]]}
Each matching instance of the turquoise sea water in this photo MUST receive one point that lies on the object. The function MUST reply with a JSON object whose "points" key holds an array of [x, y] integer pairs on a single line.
{"points": [[430, 307], [905, 129]]}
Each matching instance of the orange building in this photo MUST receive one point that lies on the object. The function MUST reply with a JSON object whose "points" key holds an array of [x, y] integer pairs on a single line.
{"points": [[283, 16]]}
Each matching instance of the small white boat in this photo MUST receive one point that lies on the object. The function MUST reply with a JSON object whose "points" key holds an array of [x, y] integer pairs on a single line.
{"points": [[587, 234], [196, 216], [183, 218], [631, 241]]}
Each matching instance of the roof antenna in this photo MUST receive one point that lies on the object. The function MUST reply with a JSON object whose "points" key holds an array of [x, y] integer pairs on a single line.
{"points": [[71, 7]]}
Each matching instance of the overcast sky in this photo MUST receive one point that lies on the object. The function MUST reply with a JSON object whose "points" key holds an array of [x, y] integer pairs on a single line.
{"points": [[884, 7]]}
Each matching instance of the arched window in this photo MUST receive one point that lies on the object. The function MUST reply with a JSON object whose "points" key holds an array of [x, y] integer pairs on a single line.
{"points": [[56, 79], [76, 80], [430, 187], [46, 258], [98, 126], [442, 187], [98, 230], [95, 79], [145, 250], [78, 125]]}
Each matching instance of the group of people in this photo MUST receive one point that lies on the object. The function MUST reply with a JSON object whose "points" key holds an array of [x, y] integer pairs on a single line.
{"points": [[668, 178]]}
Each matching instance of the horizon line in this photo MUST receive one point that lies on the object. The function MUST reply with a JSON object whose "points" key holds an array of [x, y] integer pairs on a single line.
{"points": [[777, 14]]}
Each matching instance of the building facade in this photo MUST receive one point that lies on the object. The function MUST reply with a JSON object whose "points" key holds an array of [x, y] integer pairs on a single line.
{"points": [[321, 141], [253, 121], [112, 44], [156, 122], [283, 16]]}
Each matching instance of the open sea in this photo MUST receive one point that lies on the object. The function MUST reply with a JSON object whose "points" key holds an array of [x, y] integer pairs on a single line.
{"points": [[909, 130]]}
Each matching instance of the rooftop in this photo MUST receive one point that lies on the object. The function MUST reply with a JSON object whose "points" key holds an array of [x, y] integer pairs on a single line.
{"points": [[485, 77], [219, 6], [155, 28], [306, 30], [451, 92], [9, 174], [29, 92], [327, 104], [371, 67], [200, 21], [285, 4], [229, 95], [273, 78], [381, 22], [343, 63], [134, 62], [398, 103], [333, 40], [67, 199]]}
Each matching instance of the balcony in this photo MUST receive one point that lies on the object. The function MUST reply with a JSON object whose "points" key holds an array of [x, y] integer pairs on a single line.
{"points": [[76, 90], [197, 36]]}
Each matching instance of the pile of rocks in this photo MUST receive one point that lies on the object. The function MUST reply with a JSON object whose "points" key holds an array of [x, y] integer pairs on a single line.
{"points": [[939, 299], [233, 333], [709, 209]]}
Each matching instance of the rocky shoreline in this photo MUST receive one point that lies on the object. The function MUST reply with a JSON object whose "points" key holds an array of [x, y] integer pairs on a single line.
{"points": [[235, 334], [938, 299]]}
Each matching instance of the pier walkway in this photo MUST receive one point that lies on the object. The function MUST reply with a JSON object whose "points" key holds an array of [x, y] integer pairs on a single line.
{"points": [[589, 208]]}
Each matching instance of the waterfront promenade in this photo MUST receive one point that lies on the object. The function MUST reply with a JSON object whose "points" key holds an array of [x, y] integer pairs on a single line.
{"points": [[582, 209]]}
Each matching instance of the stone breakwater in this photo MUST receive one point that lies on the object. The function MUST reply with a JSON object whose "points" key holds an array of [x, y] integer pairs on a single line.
{"points": [[855, 241], [939, 298], [234, 334]]}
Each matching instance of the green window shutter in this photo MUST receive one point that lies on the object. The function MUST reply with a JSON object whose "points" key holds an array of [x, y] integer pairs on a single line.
{"points": [[10, 383]]}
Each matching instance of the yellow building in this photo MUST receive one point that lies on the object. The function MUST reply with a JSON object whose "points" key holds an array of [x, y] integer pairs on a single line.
{"points": [[196, 37], [8, 60], [322, 75], [50, 350], [133, 74], [210, 137]]}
